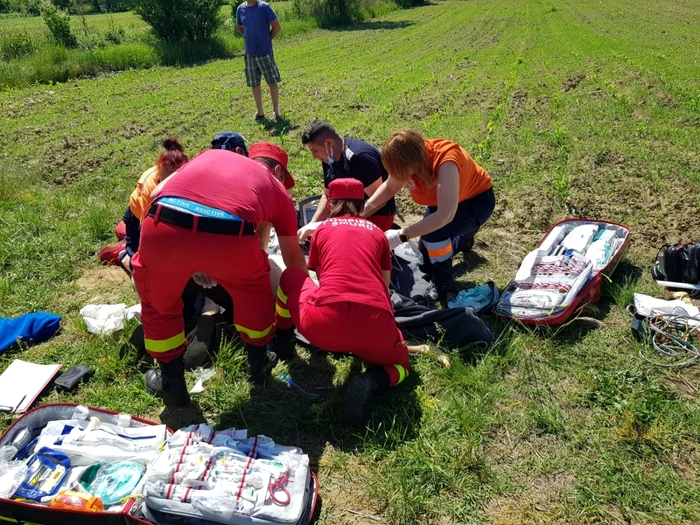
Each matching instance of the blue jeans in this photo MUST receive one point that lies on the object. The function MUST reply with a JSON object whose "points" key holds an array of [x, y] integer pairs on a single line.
{"points": [[439, 247]]}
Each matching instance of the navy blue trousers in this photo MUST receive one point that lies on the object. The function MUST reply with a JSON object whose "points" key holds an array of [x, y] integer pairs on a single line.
{"points": [[440, 247]]}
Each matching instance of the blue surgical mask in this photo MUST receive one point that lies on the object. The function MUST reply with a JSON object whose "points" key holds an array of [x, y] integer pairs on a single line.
{"points": [[331, 160]]}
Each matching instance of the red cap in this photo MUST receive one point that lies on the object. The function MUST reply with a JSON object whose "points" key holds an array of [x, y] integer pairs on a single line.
{"points": [[274, 152], [346, 189]]}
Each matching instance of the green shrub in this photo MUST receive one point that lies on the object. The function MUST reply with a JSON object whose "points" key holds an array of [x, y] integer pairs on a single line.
{"points": [[65, 5], [181, 20], [329, 12], [406, 4], [124, 56], [58, 22], [15, 46]]}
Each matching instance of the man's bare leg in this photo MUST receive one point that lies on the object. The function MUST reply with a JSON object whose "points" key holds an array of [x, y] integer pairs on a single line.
{"points": [[257, 95]]}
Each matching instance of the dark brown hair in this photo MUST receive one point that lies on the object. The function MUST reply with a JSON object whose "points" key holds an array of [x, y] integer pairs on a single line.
{"points": [[171, 159]]}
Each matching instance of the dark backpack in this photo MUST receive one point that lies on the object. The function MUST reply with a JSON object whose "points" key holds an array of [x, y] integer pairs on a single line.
{"points": [[679, 263]]}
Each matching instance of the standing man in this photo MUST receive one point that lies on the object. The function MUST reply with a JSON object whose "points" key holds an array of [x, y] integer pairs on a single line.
{"points": [[204, 224], [346, 158], [258, 24]]}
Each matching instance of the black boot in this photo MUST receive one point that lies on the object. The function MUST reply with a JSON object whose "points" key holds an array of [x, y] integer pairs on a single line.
{"points": [[260, 362], [374, 381], [206, 343], [284, 344], [136, 341], [174, 387]]}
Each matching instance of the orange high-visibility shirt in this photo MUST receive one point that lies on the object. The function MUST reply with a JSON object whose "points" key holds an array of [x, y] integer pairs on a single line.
{"points": [[140, 200], [473, 179]]}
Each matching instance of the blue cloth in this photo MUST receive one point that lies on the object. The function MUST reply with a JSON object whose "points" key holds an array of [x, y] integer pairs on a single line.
{"points": [[28, 328], [256, 27]]}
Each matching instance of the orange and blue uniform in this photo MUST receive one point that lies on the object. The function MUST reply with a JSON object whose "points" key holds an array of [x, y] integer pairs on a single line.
{"points": [[476, 204]]}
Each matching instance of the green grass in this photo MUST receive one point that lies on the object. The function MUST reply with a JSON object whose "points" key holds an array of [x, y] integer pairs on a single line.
{"points": [[576, 109]]}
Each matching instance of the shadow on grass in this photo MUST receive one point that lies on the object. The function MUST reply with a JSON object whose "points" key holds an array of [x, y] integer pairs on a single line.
{"points": [[280, 126], [470, 262], [370, 26], [310, 418], [617, 291]]}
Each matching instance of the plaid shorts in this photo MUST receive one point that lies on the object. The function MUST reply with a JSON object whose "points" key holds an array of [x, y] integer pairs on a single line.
{"points": [[257, 66]]}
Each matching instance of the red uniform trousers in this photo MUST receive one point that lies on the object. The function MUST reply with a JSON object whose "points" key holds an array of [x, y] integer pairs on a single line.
{"points": [[167, 258], [383, 222], [368, 332]]}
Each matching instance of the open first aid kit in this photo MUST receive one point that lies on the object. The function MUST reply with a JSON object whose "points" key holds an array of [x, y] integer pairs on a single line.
{"points": [[69, 464], [564, 272], [207, 477]]}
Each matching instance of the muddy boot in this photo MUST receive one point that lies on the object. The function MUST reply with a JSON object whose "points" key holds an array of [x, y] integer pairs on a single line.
{"points": [[284, 344], [260, 362], [374, 381]]}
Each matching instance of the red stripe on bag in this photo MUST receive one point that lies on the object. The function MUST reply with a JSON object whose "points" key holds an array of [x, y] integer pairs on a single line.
{"points": [[245, 472]]}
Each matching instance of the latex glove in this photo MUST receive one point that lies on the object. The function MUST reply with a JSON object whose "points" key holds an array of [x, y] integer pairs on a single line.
{"points": [[306, 231], [393, 236], [203, 280]]}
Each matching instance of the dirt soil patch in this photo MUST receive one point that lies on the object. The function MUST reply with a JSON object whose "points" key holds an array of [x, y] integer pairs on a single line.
{"points": [[103, 284]]}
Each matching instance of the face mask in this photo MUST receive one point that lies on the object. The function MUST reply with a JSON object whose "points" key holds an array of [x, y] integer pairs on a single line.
{"points": [[331, 160]]}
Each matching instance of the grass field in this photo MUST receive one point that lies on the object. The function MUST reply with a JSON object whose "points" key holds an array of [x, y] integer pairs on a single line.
{"points": [[575, 108]]}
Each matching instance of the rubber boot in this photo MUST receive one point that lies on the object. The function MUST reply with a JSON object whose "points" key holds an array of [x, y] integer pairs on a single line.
{"points": [[374, 381], [284, 344], [173, 380], [260, 362]]}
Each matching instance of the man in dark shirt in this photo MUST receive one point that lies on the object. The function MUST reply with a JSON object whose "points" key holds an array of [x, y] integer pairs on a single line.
{"points": [[343, 158]]}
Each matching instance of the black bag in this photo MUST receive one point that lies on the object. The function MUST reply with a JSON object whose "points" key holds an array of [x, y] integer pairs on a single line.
{"points": [[679, 263]]}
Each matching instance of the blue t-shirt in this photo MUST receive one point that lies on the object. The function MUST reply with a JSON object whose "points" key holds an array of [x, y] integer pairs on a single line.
{"points": [[256, 27]]}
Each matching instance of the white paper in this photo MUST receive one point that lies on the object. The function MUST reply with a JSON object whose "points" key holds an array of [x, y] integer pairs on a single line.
{"points": [[22, 383]]}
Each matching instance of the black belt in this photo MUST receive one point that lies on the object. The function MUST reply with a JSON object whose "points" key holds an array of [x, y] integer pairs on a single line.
{"points": [[204, 224]]}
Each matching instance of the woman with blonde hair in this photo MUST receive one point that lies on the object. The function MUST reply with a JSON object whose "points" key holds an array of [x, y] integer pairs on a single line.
{"points": [[457, 192]]}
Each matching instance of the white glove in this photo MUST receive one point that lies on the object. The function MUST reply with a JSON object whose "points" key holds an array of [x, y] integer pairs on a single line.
{"points": [[306, 231], [394, 238]]}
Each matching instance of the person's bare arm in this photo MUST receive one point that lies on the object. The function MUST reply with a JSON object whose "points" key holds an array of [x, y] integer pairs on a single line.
{"points": [[263, 231], [239, 28], [275, 28], [381, 195], [386, 274], [291, 253], [447, 202], [322, 210]]}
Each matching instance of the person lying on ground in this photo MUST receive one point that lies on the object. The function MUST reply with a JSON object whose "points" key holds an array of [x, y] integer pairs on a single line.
{"points": [[350, 309], [342, 158], [457, 192], [203, 222]]}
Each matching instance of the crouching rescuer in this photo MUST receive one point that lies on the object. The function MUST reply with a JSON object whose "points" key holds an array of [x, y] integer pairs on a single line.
{"points": [[350, 311], [203, 223]]}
